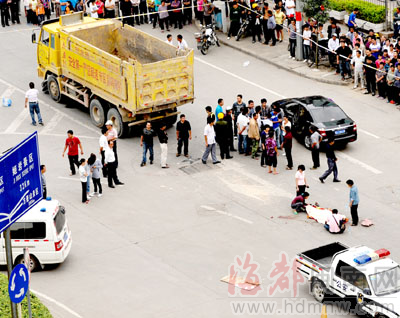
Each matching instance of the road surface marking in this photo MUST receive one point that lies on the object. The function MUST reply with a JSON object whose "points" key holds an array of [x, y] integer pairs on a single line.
{"points": [[70, 178], [22, 116], [368, 133], [238, 77], [56, 303], [55, 109], [209, 208], [18, 30], [358, 162], [8, 92], [50, 125]]}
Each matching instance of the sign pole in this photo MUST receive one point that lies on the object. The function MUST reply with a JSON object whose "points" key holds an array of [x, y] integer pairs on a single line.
{"points": [[299, 27], [7, 238], [19, 310], [27, 261]]}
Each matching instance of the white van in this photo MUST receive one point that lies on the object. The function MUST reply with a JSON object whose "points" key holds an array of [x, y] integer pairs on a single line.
{"points": [[44, 230]]}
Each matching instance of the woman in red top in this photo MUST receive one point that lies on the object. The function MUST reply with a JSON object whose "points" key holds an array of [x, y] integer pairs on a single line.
{"points": [[100, 8]]}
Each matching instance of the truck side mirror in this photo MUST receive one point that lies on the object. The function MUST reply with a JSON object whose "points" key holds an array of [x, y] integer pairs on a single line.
{"points": [[33, 37], [367, 291]]}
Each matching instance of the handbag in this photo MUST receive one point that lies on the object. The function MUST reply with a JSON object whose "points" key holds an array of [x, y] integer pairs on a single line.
{"points": [[342, 227]]}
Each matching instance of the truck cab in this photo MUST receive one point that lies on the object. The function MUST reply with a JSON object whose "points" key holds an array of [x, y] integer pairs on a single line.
{"points": [[365, 277]]}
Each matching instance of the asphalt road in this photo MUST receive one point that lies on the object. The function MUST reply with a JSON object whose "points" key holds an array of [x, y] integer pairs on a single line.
{"points": [[159, 246]]}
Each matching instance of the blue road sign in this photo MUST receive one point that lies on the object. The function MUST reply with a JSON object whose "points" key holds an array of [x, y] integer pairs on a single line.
{"points": [[20, 181], [19, 283]]}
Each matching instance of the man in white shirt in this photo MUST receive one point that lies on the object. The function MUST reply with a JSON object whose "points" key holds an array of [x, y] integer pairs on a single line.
{"points": [[103, 143], [31, 98], [290, 7], [111, 166], [243, 126], [169, 40], [357, 62], [333, 44], [182, 45], [209, 137], [112, 135]]}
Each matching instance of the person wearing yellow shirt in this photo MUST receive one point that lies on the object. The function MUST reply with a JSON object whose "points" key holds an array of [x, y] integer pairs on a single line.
{"points": [[279, 19]]}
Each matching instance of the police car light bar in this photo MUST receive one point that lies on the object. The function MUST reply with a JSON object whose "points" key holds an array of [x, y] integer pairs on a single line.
{"points": [[373, 256]]}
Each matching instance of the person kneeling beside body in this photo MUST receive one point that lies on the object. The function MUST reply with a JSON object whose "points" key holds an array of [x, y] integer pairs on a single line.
{"points": [[335, 223], [299, 203]]}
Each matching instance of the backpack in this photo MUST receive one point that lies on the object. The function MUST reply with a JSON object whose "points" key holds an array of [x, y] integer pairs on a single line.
{"points": [[270, 144]]}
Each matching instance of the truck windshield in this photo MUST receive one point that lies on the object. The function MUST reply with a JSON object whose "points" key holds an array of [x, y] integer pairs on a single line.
{"points": [[386, 282], [59, 221]]}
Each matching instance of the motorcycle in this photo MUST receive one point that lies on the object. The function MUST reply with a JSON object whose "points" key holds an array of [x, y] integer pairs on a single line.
{"points": [[206, 38], [244, 29]]}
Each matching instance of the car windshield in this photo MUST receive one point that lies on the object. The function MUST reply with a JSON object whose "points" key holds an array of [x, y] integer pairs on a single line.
{"points": [[328, 114], [386, 282]]}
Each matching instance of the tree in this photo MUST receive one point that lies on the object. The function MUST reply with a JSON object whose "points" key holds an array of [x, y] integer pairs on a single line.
{"points": [[317, 9]]}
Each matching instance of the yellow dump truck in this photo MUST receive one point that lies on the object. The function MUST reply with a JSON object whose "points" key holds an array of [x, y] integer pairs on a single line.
{"points": [[120, 73]]}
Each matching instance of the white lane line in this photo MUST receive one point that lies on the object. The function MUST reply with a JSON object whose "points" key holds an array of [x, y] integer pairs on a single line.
{"points": [[368, 133], [8, 92], [209, 208], [56, 303], [71, 179], [238, 77], [42, 102], [41, 134], [17, 121], [50, 125], [358, 162]]}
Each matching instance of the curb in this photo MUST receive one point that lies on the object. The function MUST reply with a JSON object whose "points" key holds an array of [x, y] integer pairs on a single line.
{"points": [[321, 80]]}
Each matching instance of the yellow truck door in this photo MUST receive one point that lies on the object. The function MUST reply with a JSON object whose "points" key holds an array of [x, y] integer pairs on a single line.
{"points": [[44, 48]]}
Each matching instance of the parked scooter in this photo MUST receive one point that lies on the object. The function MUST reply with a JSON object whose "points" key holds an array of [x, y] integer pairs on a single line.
{"points": [[206, 38]]}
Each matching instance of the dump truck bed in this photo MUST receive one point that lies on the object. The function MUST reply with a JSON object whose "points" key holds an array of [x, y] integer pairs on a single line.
{"points": [[126, 66]]}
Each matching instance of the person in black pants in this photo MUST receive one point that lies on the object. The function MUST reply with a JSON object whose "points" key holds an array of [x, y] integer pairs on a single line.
{"points": [[72, 143], [315, 140], [183, 135], [187, 12], [103, 146], [111, 166], [369, 68], [354, 201], [332, 167], [287, 145], [83, 177], [44, 187], [143, 12], [229, 120], [126, 10], [221, 136], [4, 13], [14, 8]]}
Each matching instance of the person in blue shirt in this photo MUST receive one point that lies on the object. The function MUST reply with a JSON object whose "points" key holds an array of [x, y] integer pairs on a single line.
{"points": [[352, 19], [219, 108], [354, 201], [276, 118]]}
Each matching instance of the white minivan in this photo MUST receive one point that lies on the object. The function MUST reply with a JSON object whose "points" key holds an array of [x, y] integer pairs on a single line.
{"points": [[44, 230]]}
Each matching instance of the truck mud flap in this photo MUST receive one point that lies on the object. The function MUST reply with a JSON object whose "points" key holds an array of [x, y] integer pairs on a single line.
{"points": [[44, 87]]}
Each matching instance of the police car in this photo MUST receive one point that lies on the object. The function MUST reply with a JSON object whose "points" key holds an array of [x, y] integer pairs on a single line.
{"points": [[366, 277]]}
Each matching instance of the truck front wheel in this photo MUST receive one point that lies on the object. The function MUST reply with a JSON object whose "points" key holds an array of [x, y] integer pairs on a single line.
{"points": [[97, 113], [318, 290], [121, 127], [54, 88]]}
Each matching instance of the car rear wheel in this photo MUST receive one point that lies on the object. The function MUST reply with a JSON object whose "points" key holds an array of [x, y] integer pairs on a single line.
{"points": [[34, 263], [318, 290], [307, 142]]}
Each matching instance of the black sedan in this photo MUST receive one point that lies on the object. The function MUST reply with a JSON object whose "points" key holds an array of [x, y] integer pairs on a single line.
{"points": [[321, 112]]}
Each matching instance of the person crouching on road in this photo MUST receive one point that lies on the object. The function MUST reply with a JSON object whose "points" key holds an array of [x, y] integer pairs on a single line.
{"points": [[163, 138], [299, 203], [83, 177], [111, 166], [335, 223]]}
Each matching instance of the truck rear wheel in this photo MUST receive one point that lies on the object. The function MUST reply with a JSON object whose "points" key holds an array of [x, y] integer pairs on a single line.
{"points": [[121, 127], [318, 290], [54, 88], [97, 113]]}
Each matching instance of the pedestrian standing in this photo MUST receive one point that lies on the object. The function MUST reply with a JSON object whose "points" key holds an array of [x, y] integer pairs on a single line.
{"points": [[4, 13], [369, 70], [219, 108], [143, 12], [112, 135], [83, 177], [72, 143], [357, 63], [315, 140], [163, 138], [237, 109], [88, 167], [183, 135], [272, 152], [208, 11], [331, 158], [287, 145], [146, 141], [254, 136], [209, 137], [44, 186], [381, 81], [234, 16], [95, 168], [271, 25], [210, 113], [222, 136], [354, 201], [243, 124], [111, 166], [301, 181], [279, 18], [103, 146], [31, 98], [163, 16], [229, 121], [109, 9], [187, 12], [276, 118], [306, 42], [176, 13], [263, 137], [292, 38]]}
